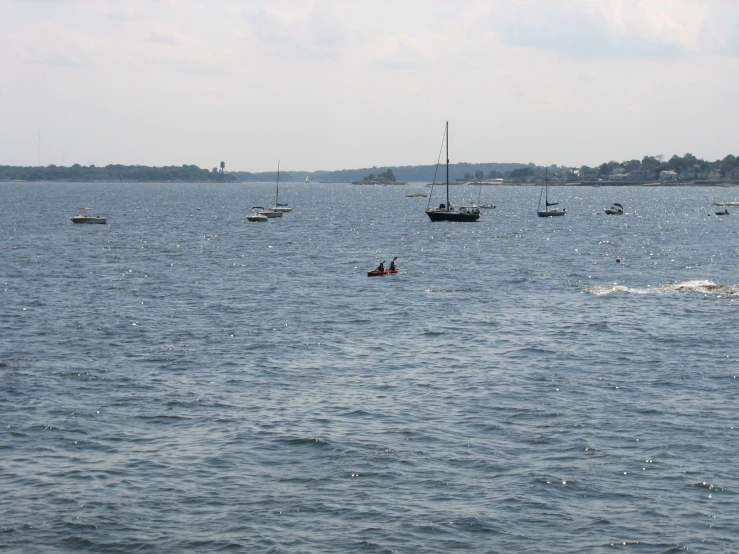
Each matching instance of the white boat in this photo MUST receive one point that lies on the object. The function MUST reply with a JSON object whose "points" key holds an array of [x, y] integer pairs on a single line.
{"points": [[256, 216], [270, 213], [479, 204], [615, 209], [447, 212], [85, 216], [280, 207], [548, 211]]}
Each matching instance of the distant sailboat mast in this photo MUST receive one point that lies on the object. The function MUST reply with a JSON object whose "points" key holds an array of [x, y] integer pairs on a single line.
{"points": [[279, 207], [277, 194], [446, 132]]}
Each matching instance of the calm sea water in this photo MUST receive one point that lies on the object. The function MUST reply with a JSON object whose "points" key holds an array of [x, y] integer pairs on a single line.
{"points": [[181, 380]]}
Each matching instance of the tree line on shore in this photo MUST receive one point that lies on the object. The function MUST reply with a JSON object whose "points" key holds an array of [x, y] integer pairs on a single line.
{"points": [[114, 172], [401, 173], [650, 167], [656, 164]]}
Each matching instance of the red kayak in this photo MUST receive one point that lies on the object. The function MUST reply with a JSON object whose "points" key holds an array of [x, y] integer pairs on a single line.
{"points": [[376, 273]]}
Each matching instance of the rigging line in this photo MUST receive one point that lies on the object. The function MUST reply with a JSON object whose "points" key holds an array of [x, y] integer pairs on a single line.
{"points": [[441, 149], [538, 206]]}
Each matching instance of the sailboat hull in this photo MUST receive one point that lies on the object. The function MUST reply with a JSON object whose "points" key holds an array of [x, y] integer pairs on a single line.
{"points": [[101, 220], [271, 213], [453, 215], [553, 213]]}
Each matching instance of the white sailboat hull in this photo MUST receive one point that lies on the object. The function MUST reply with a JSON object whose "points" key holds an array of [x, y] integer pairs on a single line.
{"points": [[271, 213]]}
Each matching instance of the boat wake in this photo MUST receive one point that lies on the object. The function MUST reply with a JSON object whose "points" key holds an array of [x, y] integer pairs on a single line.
{"points": [[702, 287]]}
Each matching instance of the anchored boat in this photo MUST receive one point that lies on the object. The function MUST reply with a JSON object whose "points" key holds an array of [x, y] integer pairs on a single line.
{"points": [[548, 211], [447, 212], [85, 216]]}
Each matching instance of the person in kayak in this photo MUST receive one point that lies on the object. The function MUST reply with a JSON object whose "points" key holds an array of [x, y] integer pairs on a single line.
{"points": [[392, 265], [381, 267]]}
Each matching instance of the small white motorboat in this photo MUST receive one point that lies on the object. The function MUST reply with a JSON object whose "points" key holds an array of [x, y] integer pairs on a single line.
{"points": [[256, 216], [270, 213], [85, 216], [615, 209]]}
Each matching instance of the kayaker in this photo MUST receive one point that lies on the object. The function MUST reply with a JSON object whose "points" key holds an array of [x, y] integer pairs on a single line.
{"points": [[381, 267], [392, 266]]}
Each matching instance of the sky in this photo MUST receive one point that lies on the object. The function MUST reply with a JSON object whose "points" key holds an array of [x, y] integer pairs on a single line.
{"points": [[360, 83]]}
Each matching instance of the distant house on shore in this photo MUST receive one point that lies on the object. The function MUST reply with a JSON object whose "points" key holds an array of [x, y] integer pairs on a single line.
{"points": [[668, 175], [641, 175]]}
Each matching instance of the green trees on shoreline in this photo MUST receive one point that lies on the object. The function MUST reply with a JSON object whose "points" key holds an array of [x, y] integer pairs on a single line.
{"points": [[687, 167], [654, 165], [113, 172]]}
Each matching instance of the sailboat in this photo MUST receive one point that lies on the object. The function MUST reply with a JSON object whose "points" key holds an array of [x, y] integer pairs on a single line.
{"points": [[280, 207], [547, 212], [447, 212]]}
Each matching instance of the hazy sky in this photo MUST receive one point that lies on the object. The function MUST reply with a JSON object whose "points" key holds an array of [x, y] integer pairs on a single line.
{"points": [[345, 84]]}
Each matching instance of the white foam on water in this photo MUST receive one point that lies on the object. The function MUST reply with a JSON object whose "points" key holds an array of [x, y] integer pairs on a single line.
{"points": [[699, 286]]}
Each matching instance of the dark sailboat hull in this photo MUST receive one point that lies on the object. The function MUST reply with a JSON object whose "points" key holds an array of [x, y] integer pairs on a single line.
{"points": [[88, 219], [452, 215], [556, 213]]}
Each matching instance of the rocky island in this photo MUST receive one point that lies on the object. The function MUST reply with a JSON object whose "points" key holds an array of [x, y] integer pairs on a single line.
{"points": [[385, 178]]}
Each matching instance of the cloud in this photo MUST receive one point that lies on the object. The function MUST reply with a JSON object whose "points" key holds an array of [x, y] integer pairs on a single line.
{"points": [[537, 72], [612, 28], [166, 34], [125, 12], [396, 53], [310, 30], [52, 44]]}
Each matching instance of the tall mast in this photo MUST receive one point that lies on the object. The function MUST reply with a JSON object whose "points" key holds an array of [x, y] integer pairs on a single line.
{"points": [[277, 195], [546, 188], [447, 166]]}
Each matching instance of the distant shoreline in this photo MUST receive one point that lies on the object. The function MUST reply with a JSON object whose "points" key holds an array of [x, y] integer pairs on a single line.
{"points": [[595, 184], [213, 182]]}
